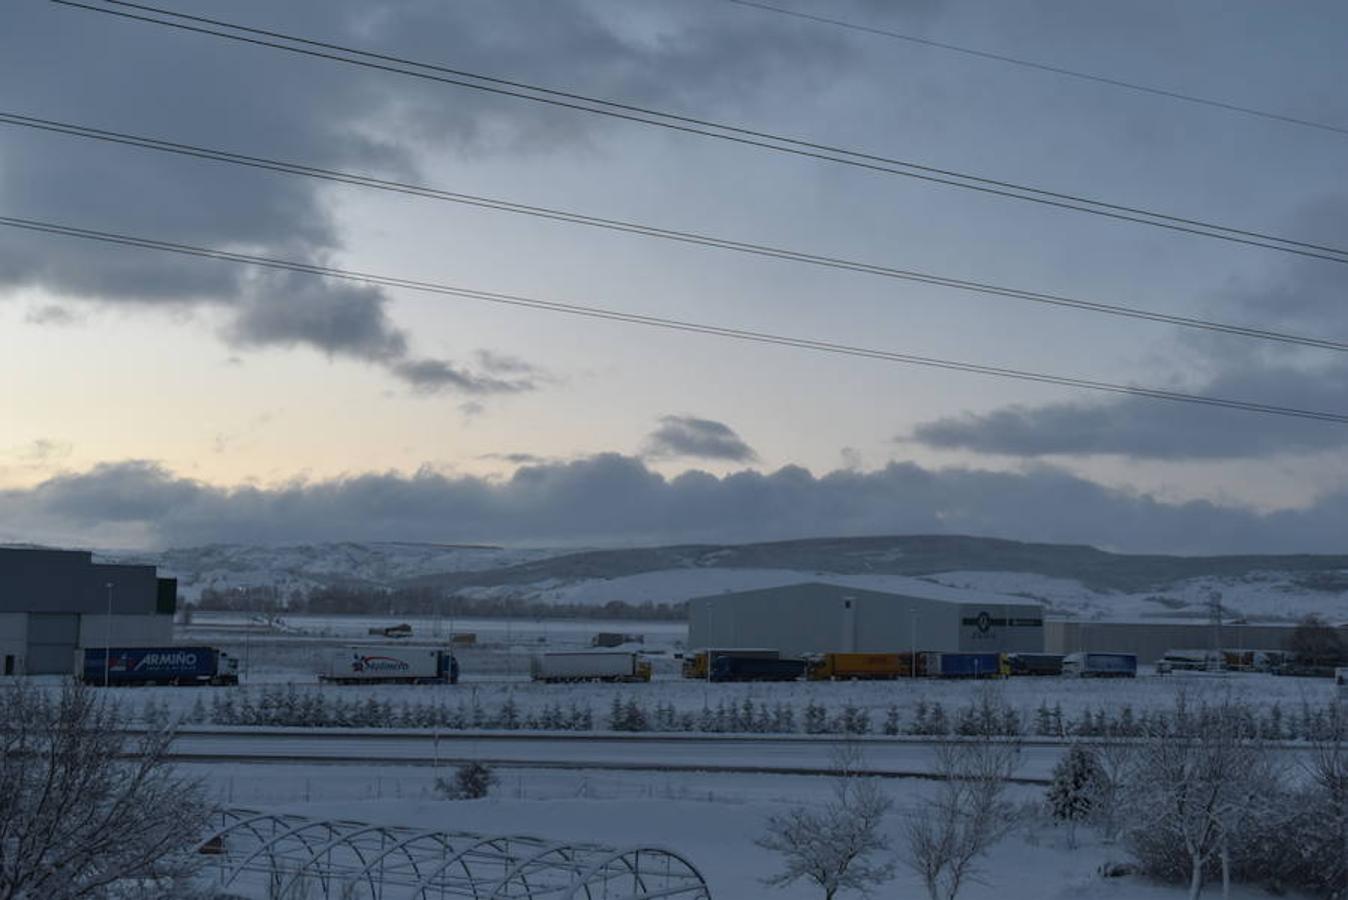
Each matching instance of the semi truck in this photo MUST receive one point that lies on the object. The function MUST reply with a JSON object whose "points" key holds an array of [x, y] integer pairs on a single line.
{"points": [[695, 664], [962, 665], [390, 665], [589, 666], [755, 668], [156, 665], [1100, 665], [1191, 661], [1034, 663], [859, 666]]}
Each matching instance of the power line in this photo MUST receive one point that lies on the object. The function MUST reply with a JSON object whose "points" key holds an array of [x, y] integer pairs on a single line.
{"points": [[678, 325], [689, 237], [1044, 67], [719, 131]]}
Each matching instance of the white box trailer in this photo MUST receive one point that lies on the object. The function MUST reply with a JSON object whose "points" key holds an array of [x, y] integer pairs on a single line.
{"points": [[589, 666], [384, 664]]}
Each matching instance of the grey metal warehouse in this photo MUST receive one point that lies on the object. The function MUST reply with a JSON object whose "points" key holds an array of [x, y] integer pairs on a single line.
{"points": [[817, 617], [53, 602]]}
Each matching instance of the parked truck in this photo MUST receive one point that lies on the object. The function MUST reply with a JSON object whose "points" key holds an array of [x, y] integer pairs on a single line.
{"points": [[755, 668], [390, 665], [1191, 661], [859, 666], [589, 665], [1100, 665], [962, 665], [1034, 663], [695, 664], [156, 665]]}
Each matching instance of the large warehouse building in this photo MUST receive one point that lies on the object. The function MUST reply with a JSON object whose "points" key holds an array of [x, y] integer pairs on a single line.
{"points": [[823, 618], [53, 602], [1151, 640]]}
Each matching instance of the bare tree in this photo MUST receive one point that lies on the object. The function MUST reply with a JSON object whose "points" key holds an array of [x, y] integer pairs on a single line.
{"points": [[1315, 642], [948, 836], [1195, 789], [86, 812], [1328, 802], [834, 847]]}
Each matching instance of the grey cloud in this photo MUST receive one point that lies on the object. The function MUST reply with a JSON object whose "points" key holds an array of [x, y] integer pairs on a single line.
{"points": [[432, 375], [689, 436], [52, 314], [1302, 296], [1152, 429], [612, 498]]}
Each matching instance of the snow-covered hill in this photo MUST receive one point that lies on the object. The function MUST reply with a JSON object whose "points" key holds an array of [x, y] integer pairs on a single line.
{"points": [[305, 567], [1070, 580]]}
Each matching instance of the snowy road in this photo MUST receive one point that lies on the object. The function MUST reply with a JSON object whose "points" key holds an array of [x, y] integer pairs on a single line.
{"points": [[799, 754], [648, 753]]}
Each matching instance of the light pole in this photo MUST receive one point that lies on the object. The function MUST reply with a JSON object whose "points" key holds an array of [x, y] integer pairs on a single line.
{"points": [[912, 663], [107, 638]]}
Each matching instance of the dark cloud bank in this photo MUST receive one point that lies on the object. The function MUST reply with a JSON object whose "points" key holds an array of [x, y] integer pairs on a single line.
{"points": [[617, 500], [215, 93]]}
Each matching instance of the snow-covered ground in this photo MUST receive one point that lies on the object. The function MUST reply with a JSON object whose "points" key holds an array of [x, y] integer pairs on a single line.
{"points": [[710, 819]]}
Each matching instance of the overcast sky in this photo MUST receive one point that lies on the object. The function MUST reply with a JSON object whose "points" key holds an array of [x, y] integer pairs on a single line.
{"points": [[153, 400]]}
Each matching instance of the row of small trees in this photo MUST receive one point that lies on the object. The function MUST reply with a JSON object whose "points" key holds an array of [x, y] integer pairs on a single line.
{"points": [[984, 715]]}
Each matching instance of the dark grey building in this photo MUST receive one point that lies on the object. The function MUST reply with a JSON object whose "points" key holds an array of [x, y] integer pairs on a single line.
{"points": [[816, 617], [53, 602]]}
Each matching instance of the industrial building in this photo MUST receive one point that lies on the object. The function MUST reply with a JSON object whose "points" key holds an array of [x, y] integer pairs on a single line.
{"points": [[53, 602], [817, 617], [1151, 640]]}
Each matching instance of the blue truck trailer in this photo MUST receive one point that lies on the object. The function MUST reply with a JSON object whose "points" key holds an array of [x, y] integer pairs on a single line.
{"points": [[963, 665], [157, 665], [1100, 665], [752, 668]]}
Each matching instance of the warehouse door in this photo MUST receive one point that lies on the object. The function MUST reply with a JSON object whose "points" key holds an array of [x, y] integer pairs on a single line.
{"points": [[52, 639]]}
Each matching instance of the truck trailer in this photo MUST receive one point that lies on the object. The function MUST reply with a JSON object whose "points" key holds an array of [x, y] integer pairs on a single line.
{"points": [[1100, 665], [963, 665], [1034, 663], [593, 665], [390, 665], [156, 665], [754, 668], [859, 666], [695, 664]]}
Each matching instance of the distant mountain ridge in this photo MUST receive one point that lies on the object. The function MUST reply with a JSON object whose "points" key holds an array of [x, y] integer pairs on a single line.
{"points": [[1073, 579]]}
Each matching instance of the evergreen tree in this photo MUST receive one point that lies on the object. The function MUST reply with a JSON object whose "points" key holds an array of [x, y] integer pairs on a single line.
{"points": [[1070, 790]]}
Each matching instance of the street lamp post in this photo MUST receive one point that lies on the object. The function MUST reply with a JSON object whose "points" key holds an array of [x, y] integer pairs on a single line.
{"points": [[912, 663], [107, 638]]}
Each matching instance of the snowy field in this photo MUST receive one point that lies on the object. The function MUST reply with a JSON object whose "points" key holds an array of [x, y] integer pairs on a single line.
{"points": [[710, 819]]}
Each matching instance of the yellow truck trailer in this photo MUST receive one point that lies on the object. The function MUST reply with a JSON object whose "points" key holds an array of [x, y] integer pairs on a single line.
{"points": [[860, 666]]}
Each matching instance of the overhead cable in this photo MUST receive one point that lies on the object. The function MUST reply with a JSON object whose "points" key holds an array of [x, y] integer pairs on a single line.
{"points": [[676, 325], [706, 128], [1042, 67], [645, 230]]}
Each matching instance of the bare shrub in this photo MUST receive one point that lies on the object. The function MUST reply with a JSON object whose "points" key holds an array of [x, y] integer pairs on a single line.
{"points": [[969, 814], [472, 781], [85, 811], [834, 847]]}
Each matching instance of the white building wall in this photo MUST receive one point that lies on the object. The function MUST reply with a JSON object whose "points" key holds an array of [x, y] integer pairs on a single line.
{"points": [[822, 618], [126, 631], [13, 642]]}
